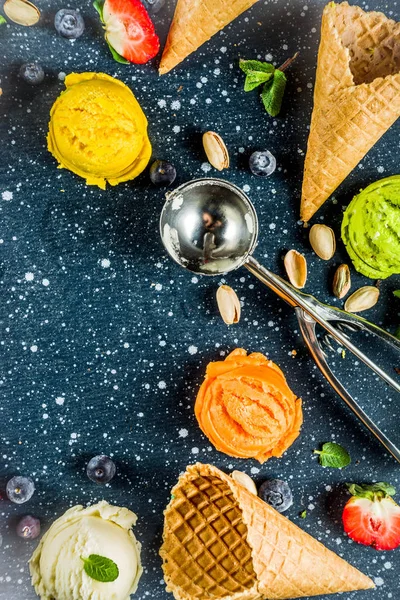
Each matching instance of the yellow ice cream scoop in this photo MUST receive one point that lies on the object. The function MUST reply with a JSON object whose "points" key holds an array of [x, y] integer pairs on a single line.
{"points": [[98, 130], [88, 554]]}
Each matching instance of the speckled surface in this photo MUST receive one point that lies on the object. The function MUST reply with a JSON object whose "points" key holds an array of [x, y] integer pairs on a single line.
{"points": [[104, 340]]}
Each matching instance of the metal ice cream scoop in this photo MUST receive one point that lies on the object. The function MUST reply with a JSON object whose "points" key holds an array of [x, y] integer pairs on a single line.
{"points": [[210, 227]]}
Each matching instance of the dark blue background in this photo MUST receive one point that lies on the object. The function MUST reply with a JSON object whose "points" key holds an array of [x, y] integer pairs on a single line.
{"points": [[118, 331]]}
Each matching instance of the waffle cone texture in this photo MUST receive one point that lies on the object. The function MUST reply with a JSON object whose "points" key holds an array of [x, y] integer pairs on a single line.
{"points": [[356, 97], [195, 22], [221, 541]]}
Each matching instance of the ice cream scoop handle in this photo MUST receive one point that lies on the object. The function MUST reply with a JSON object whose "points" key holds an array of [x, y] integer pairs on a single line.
{"points": [[307, 327], [318, 311]]}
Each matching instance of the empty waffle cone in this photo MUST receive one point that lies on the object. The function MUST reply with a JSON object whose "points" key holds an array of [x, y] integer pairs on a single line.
{"points": [[221, 541], [356, 97], [195, 22]]}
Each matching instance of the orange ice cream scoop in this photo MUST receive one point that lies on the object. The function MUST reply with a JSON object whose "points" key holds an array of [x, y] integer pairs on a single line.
{"points": [[246, 408]]}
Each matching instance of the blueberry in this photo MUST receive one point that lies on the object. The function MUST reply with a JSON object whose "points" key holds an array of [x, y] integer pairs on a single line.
{"points": [[32, 73], [28, 527], [154, 6], [100, 469], [277, 493], [162, 172], [20, 489], [262, 163], [69, 23]]}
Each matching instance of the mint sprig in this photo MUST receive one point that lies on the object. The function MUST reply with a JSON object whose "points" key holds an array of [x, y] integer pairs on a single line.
{"points": [[333, 455], [273, 81], [273, 92], [257, 73], [371, 491], [100, 568]]}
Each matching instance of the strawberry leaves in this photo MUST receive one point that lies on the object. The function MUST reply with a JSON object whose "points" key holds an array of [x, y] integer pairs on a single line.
{"points": [[273, 81], [333, 455], [117, 57], [371, 491], [98, 4]]}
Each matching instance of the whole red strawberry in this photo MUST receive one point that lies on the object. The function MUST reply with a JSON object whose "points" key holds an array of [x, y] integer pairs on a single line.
{"points": [[371, 517], [129, 31]]}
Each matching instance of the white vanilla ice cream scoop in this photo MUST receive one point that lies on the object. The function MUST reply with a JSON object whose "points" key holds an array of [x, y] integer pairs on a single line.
{"points": [[57, 567]]}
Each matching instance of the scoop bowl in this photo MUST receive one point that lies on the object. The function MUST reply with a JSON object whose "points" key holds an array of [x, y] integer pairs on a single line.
{"points": [[209, 226]]}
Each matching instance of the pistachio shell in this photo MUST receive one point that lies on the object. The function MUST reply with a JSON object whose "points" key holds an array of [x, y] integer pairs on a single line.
{"points": [[245, 481], [228, 304], [341, 281], [215, 150], [22, 12], [363, 299], [323, 241], [296, 268]]}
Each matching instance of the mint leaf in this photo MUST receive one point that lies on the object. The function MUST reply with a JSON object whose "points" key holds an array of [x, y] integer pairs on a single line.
{"points": [[248, 66], [371, 491], [396, 293], [117, 56], [273, 92], [2, 20], [100, 568], [333, 455], [99, 4], [255, 78]]}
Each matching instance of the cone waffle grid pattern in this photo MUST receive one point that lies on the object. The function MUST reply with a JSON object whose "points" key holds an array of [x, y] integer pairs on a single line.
{"points": [[283, 552], [285, 561], [208, 538], [348, 119]]}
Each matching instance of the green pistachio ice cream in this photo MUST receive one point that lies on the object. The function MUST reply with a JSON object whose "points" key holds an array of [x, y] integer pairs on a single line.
{"points": [[57, 565], [371, 229]]}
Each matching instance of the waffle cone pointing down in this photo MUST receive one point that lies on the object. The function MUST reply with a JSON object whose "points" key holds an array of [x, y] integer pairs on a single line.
{"points": [[221, 541], [194, 22], [356, 97]]}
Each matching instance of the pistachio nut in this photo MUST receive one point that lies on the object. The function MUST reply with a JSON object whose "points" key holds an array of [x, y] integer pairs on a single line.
{"points": [[22, 12], [323, 241], [296, 268], [244, 480], [215, 150], [228, 304], [341, 281], [363, 299]]}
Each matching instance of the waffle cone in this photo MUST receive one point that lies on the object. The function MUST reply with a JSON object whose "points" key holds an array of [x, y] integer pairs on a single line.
{"points": [[195, 22], [221, 541], [356, 98]]}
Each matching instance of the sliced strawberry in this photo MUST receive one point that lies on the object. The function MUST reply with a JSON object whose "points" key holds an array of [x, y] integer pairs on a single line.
{"points": [[129, 30], [372, 517]]}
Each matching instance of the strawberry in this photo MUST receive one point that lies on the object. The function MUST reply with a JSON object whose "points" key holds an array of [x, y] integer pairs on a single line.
{"points": [[129, 30], [371, 517]]}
